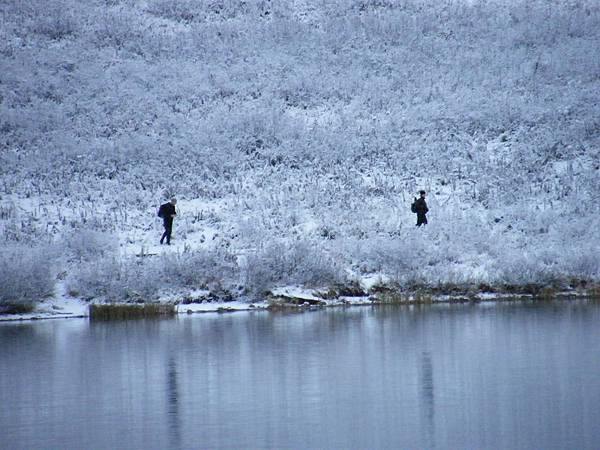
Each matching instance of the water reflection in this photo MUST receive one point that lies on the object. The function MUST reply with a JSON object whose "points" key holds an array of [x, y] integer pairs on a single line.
{"points": [[173, 403], [505, 376], [427, 398]]}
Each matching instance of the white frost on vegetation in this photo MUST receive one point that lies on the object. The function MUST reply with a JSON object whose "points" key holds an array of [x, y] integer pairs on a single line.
{"points": [[295, 135]]}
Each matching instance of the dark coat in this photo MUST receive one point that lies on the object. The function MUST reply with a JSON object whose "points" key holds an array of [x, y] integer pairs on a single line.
{"points": [[166, 211], [421, 206]]}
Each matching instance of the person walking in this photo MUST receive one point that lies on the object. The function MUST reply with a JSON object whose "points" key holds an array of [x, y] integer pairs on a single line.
{"points": [[167, 213], [419, 207]]}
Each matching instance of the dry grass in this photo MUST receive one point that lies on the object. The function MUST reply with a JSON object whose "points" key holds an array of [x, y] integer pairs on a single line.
{"points": [[124, 312]]}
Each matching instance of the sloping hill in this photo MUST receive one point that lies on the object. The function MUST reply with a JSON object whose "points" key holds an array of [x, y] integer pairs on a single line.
{"points": [[296, 133]]}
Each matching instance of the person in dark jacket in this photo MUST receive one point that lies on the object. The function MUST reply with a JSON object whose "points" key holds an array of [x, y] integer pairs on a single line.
{"points": [[168, 213], [421, 209]]}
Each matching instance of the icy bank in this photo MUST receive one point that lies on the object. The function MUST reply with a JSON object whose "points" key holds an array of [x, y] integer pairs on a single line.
{"points": [[298, 298]]}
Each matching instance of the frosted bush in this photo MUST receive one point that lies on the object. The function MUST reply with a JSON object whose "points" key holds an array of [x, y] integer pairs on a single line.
{"points": [[95, 279], [118, 29], [584, 263], [178, 10], [523, 266], [55, 23], [85, 244], [115, 280], [134, 279], [26, 276], [295, 263], [198, 269], [395, 257], [54, 20]]}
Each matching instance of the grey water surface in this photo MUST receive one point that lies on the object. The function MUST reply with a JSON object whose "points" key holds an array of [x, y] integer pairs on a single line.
{"points": [[505, 375]]}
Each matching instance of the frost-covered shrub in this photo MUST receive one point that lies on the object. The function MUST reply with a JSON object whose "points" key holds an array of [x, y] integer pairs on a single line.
{"points": [[56, 24], [26, 276], [414, 255], [85, 244], [395, 257], [582, 263], [115, 280], [298, 262], [177, 10], [54, 20], [205, 269], [122, 279], [119, 30], [524, 266]]}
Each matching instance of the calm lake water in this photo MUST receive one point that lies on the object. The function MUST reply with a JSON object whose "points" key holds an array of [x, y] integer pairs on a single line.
{"points": [[442, 376]]}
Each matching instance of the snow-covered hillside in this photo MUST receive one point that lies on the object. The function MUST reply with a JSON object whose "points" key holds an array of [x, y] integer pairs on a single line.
{"points": [[295, 135]]}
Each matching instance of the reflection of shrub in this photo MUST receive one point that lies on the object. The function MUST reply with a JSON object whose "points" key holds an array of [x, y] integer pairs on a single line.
{"points": [[26, 277]]}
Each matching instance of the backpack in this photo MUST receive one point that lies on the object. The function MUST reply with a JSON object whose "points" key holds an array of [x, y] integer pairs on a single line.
{"points": [[160, 211], [413, 207]]}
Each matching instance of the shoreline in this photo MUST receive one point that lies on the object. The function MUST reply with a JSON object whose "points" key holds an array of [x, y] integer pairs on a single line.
{"points": [[300, 299]]}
